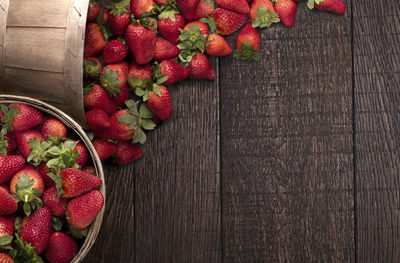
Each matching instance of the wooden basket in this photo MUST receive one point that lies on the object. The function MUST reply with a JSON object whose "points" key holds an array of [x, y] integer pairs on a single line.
{"points": [[41, 51], [70, 123]]}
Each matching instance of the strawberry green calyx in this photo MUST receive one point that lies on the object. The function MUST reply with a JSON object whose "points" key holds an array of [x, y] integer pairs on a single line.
{"points": [[92, 69], [93, 3], [56, 223], [109, 81], [3, 145], [265, 18], [138, 119], [247, 52], [8, 118], [63, 156], [57, 178], [6, 242], [105, 29], [28, 195], [192, 39], [38, 152], [210, 21], [78, 233], [24, 252], [168, 14], [310, 3], [186, 56], [118, 8]]}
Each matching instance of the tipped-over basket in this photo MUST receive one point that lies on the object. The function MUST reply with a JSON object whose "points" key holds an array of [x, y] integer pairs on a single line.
{"points": [[70, 123]]}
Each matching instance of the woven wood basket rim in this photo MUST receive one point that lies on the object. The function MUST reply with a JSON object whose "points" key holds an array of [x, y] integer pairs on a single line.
{"points": [[95, 227]]}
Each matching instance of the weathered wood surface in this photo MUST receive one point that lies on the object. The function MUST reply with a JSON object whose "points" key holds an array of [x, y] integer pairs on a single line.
{"points": [[290, 159]]}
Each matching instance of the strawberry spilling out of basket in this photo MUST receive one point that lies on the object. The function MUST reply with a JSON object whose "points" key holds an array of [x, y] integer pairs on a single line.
{"points": [[135, 49], [48, 194]]}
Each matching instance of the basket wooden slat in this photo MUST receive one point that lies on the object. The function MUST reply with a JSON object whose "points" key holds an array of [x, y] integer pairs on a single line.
{"points": [[70, 123]]}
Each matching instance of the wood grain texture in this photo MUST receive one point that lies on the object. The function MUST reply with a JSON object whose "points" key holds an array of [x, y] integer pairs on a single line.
{"points": [[177, 183], [286, 146], [4, 4], [377, 124]]}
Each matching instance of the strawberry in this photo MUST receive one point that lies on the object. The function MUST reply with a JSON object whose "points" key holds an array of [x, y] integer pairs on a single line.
{"points": [[188, 8], [140, 72], [141, 7], [160, 103], [4, 258], [262, 13], [76, 182], [93, 12], [141, 40], [22, 117], [43, 170], [5, 187], [174, 71], [89, 169], [161, 2], [118, 130], [55, 128], [227, 21], [336, 6], [238, 6], [200, 67], [105, 16], [92, 67], [200, 25], [9, 165], [204, 9], [115, 51], [56, 204], [24, 139], [37, 230], [6, 226], [8, 145], [61, 248], [165, 50], [169, 25], [118, 18], [81, 211], [83, 157], [97, 119], [120, 98], [95, 40], [217, 46], [114, 77], [127, 152], [104, 148], [287, 11], [96, 97], [248, 43], [7, 203]]}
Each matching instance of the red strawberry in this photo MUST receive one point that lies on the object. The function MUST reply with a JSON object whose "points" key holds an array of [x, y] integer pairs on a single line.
{"points": [[89, 169], [48, 182], [76, 182], [115, 51], [94, 40], [7, 203], [9, 165], [7, 226], [53, 127], [106, 14], [104, 148], [120, 98], [227, 21], [238, 6], [188, 8], [200, 67], [4, 258], [336, 6], [114, 77], [26, 192], [141, 42], [97, 119], [92, 67], [97, 97], [165, 50], [93, 11], [248, 43], [61, 248], [202, 26], [120, 130], [82, 210], [140, 7], [161, 2], [26, 118], [37, 230], [128, 152], [5, 187], [204, 7], [217, 46], [287, 11], [160, 104], [82, 159], [263, 14], [11, 144], [174, 71], [169, 23], [23, 139], [56, 204], [141, 72], [118, 18]]}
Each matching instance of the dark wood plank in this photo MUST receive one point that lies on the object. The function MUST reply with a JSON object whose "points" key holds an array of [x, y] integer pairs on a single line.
{"points": [[377, 120], [286, 145], [115, 242], [177, 182]]}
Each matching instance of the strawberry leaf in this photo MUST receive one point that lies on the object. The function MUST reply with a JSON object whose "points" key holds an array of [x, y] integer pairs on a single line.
{"points": [[118, 8], [25, 252], [148, 124], [210, 21], [265, 18], [5, 240], [145, 112], [56, 223], [78, 233], [157, 91], [310, 4], [57, 178], [109, 81], [18, 224], [168, 14], [3, 145], [26, 193], [192, 39], [139, 136], [247, 52], [92, 69], [8, 118]]}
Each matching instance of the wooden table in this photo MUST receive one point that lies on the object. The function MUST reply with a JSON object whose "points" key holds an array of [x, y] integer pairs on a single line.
{"points": [[292, 159]]}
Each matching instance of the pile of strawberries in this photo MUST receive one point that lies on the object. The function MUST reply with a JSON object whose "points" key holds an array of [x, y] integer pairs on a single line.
{"points": [[48, 191], [134, 49]]}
